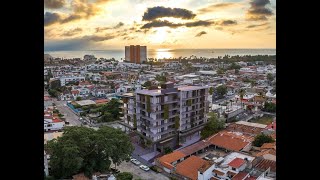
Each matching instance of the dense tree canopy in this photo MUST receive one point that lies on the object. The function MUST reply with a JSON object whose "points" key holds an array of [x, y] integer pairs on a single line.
{"points": [[82, 149], [221, 90], [214, 125], [269, 107], [260, 139]]}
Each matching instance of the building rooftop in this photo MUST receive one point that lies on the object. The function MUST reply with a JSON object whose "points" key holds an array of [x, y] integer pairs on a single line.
{"points": [[149, 92], [237, 162], [189, 167], [252, 124], [195, 147], [230, 140], [85, 102], [240, 176], [167, 159], [235, 155], [191, 88], [265, 164]]}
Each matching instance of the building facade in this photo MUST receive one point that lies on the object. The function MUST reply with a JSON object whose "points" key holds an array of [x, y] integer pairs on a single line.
{"points": [[167, 116], [136, 54]]}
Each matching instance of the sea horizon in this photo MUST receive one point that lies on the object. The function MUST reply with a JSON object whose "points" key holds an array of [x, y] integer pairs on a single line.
{"points": [[165, 53]]}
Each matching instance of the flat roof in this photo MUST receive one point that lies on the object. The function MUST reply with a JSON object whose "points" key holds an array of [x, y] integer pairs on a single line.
{"points": [[85, 102], [153, 92], [230, 157], [190, 88], [252, 124]]}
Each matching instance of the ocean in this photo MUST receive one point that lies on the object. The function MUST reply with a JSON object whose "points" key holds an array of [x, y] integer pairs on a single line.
{"points": [[163, 53]]}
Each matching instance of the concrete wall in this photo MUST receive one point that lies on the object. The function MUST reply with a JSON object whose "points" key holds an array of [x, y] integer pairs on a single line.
{"points": [[207, 174]]}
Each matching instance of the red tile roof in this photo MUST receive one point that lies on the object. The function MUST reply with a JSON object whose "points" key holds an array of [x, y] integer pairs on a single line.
{"points": [[268, 151], [273, 126], [167, 159], [74, 91], [218, 172], [237, 162], [56, 120], [100, 101], [240, 176], [265, 164], [268, 146], [189, 167], [230, 141]]}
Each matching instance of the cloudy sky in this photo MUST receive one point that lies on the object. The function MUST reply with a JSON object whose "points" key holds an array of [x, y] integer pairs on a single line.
{"points": [[173, 24]]}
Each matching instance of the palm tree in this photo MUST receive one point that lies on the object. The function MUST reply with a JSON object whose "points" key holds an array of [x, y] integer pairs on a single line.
{"points": [[242, 92]]}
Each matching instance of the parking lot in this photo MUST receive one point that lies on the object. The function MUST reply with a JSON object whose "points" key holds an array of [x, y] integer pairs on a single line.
{"points": [[139, 173]]}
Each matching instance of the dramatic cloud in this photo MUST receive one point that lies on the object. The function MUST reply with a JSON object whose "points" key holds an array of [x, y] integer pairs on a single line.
{"points": [[98, 38], [159, 12], [227, 22], [82, 43], [99, 29], [217, 7], [202, 23], [201, 33], [257, 25], [258, 10], [198, 23], [70, 18], [118, 25], [81, 9], [157, 23], [54, 4], [72, 32], [51, 18]]}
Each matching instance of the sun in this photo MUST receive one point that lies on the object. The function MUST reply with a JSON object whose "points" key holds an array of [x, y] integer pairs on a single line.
{"points": [[160, 36]]}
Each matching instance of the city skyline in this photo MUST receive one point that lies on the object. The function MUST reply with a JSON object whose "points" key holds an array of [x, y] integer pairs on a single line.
{"points": [[113, 24]]}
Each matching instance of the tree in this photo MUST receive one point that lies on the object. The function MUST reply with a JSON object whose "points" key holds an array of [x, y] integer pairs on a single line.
{"points": [[213, 126], [260, 139], [78, 98], [242, 92], [269, 107], [147, 84], [167, 150], [124, 176], [211, 90], [106, 117], [82, 149], [161, 78], [221, 90], [270, 77], [53, 93], [220, 71], [55, 84]]}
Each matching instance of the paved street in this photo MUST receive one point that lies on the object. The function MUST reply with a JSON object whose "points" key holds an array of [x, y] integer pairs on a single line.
{"points": [[68, 113], [139, 173]]}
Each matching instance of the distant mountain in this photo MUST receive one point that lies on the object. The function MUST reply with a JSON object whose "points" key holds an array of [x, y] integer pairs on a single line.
{"points": [[47, 57]]}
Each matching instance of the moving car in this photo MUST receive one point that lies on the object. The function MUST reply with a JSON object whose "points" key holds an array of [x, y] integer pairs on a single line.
{"points": [[136, 162], [145, 168]]}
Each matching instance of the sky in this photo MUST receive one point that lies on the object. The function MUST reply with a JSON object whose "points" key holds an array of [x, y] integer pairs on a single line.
{"points": [[158, 24]]}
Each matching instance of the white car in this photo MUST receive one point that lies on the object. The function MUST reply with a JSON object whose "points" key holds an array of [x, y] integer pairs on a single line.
{"points": [[145, 168], [136, 162]]}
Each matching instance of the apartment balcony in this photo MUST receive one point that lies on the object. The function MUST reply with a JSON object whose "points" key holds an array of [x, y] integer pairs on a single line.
{"points": [[161, 126]]}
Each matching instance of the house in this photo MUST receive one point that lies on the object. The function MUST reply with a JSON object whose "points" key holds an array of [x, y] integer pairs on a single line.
{"points": [[231, 141], [231, 165], [190, 167], [52, 123], [168, 161]]}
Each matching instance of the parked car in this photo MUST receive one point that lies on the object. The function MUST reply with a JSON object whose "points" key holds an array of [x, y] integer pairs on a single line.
{"points": [[144, 167], [136, 162]]}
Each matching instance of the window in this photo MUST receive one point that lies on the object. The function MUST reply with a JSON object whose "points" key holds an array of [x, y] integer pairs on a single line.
{"points": [[233, 168]]}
